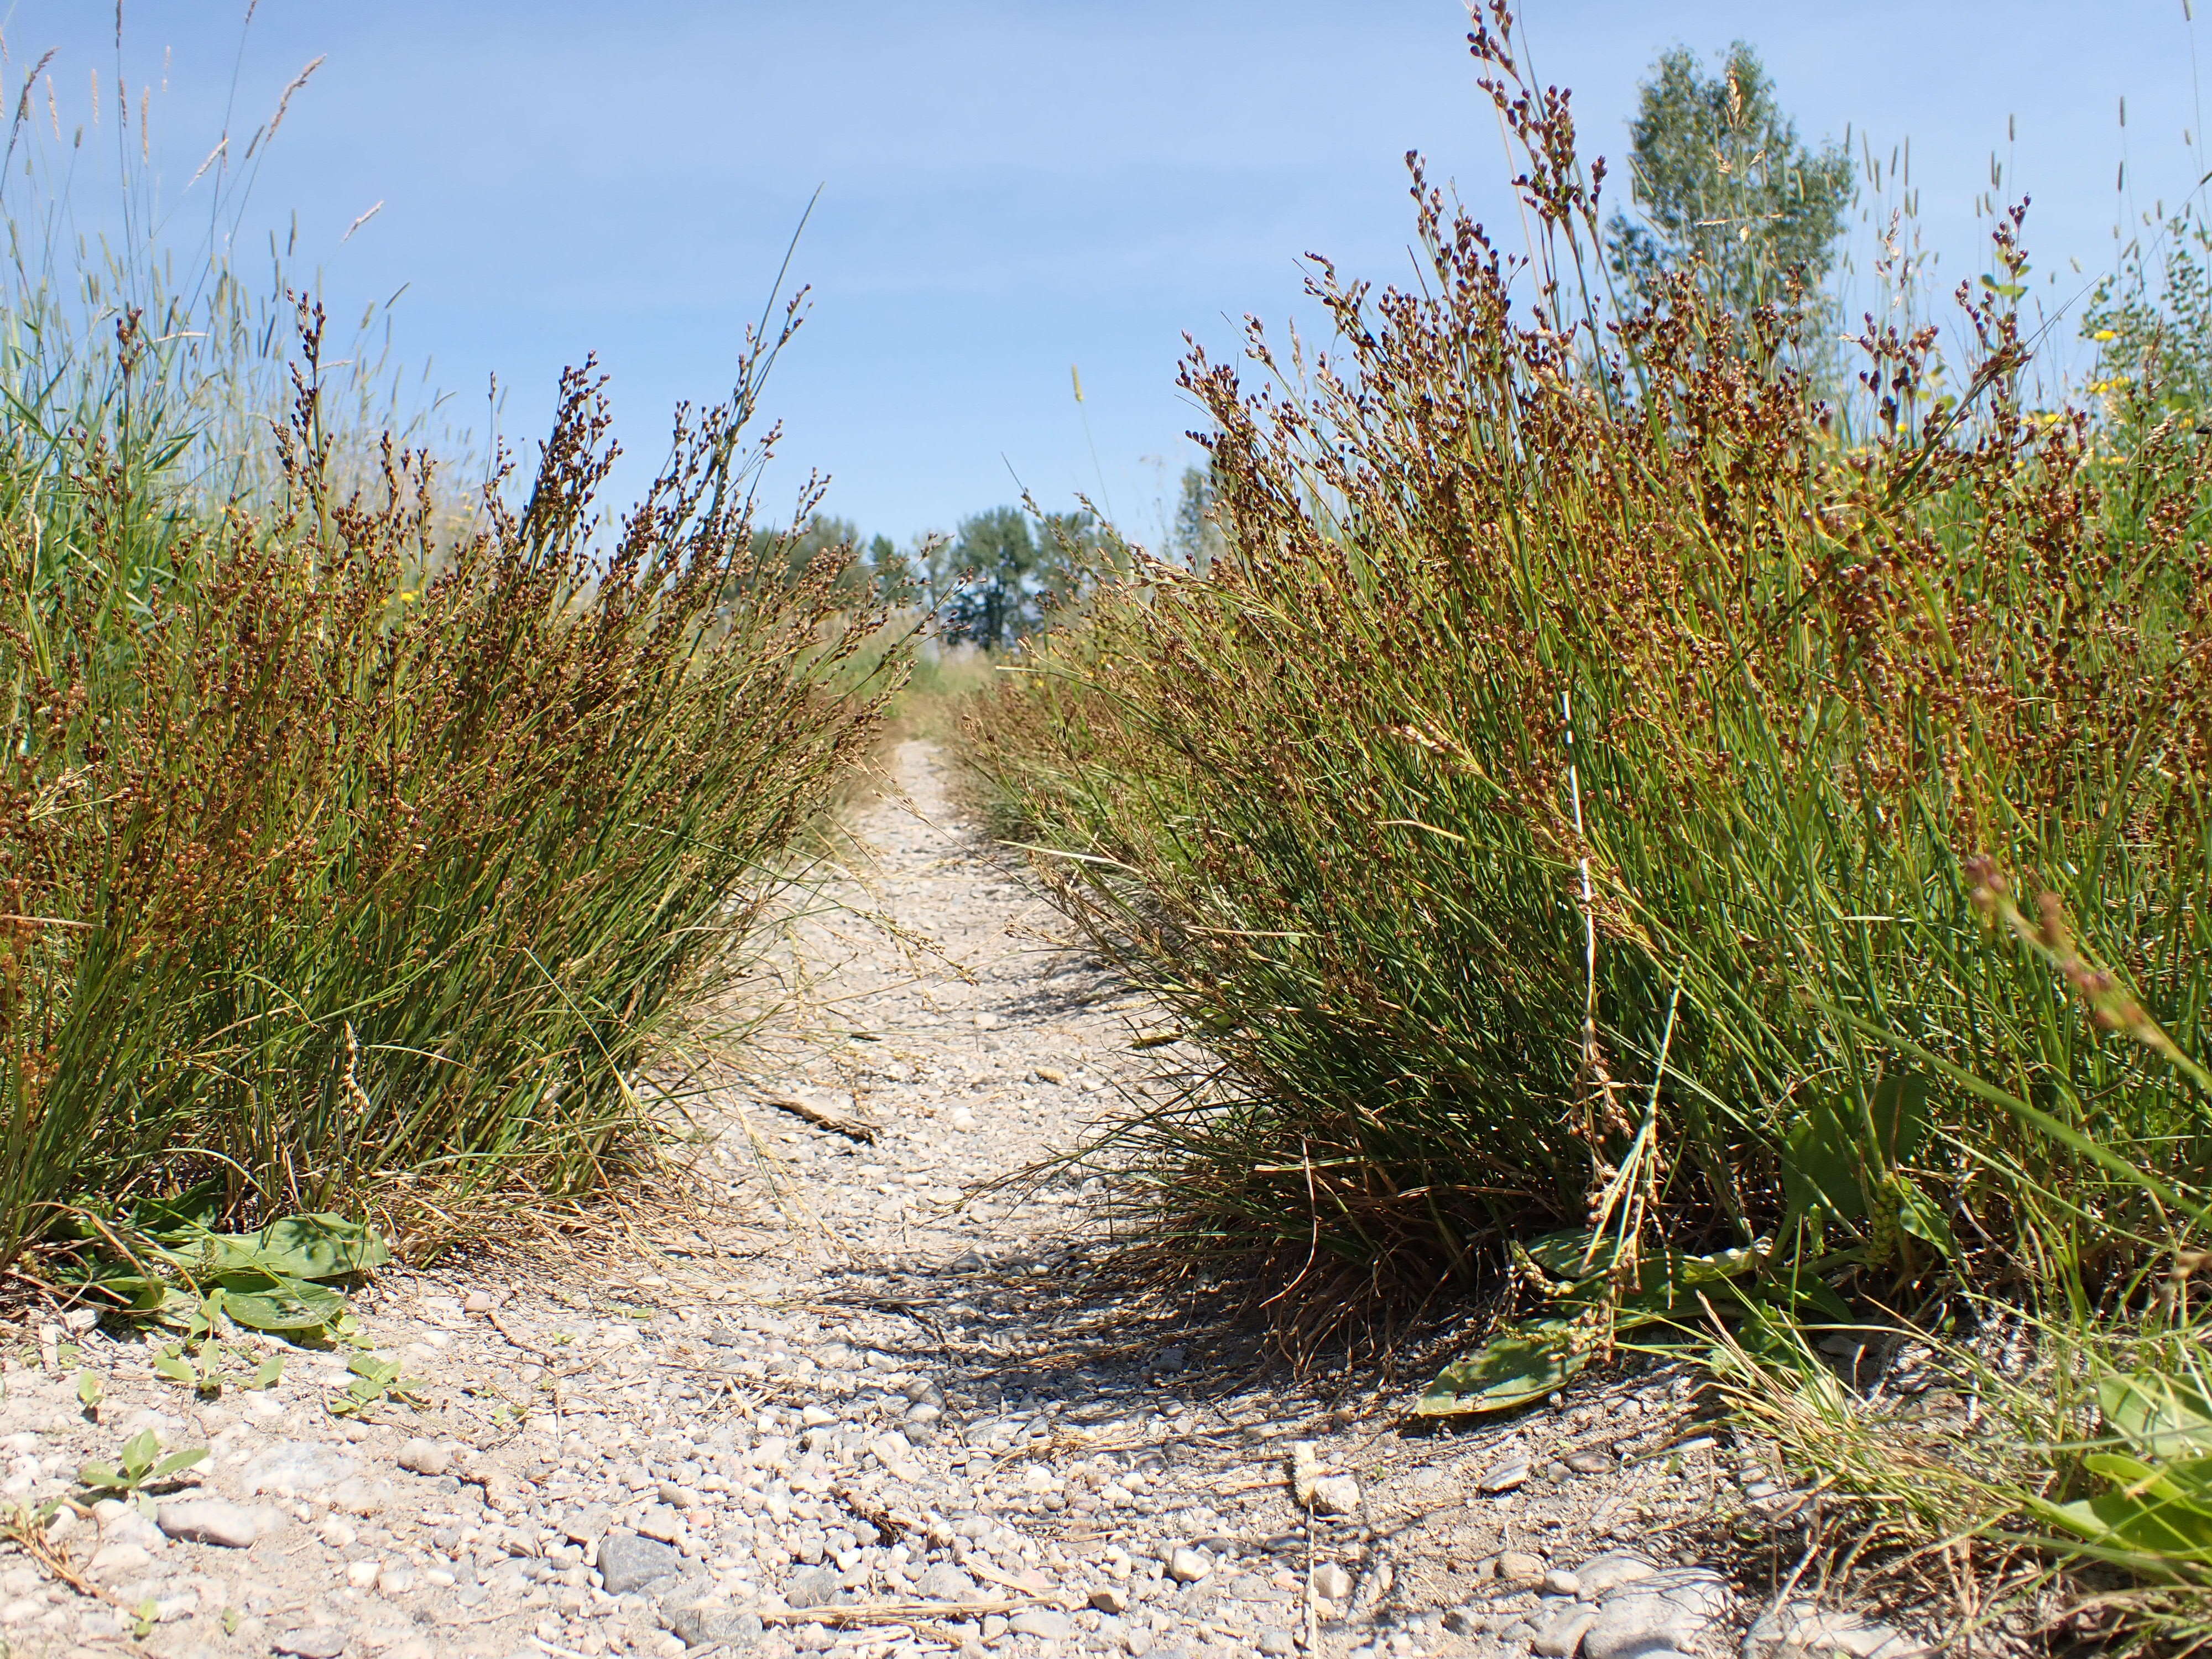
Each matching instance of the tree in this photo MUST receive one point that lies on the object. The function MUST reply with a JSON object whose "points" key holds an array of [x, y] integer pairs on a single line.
{"points": [[995, 562], [1196, 539], [821, 540], [997, 581], [1725, 190]]}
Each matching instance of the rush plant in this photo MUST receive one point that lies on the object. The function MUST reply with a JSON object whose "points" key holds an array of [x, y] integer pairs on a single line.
{"points": [[1572, 802], [350, 863]]}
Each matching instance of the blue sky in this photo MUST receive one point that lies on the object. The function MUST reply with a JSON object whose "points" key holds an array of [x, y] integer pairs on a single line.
{"points": [[1009, 187]]}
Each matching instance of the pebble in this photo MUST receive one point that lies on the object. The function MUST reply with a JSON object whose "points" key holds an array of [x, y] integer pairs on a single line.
{"points": [[1565, 1633], [1186, 1565], [1589, 1462], [1505, 1477], [113, 1560], [627, 1562], [705, 1624], [217, 1521], [425, 1457], [1110, 1598], [1520, 1567], [1331, 1581], [1803, 1630], [1336, 1494], [943, 1582], [815, 1588], [317, 1641], [1670, 1610], [297, 1468], [1560, 1582], [1603, 1573], [1043, 1623]]}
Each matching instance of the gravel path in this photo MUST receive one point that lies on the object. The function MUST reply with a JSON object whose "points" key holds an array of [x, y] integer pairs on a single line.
{"points": [[853, 1403]]}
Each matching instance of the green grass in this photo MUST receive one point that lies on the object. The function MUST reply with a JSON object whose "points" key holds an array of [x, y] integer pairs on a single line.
{"points": [[365, 836], [1601, 790], [353, 867]]}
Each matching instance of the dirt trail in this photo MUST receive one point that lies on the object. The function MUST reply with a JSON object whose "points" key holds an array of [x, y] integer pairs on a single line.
{"points": [[858, 1406]]}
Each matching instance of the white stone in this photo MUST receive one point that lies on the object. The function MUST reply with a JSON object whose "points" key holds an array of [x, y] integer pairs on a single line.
{"points": [[1602, 1573], [296, 1467], [1505, 1477], [1802, 1630], [425, 1457], [113, 1560], [1671, 1609], [218, 1520], [1336, 1494], [1186, 1565], [1565, 1633], [1331, 1581]]}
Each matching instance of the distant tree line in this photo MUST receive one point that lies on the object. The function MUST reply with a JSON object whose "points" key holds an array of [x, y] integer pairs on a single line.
{"points": [[1001, 575]]}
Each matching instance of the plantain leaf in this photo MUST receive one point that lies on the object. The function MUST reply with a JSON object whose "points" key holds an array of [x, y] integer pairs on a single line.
{"points": [[298, 1247], [1917, 1214], [263, 1301], [1524, 1362], [1820, 1168], [2160, 1416], [1899, 1113], [179, 1460]]}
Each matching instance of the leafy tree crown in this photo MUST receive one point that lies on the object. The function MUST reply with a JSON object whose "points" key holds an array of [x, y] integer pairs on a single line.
{"points": [[1723, 187]]}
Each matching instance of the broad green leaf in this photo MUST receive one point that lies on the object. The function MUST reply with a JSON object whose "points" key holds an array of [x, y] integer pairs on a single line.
{"points": [[298, 1247], [100, 1474], [176, 1368], [1918, 1214], [88, 1389], [189, 1212], [1524, 1362], [1819, 1168], [140, 1451], [179, 1460], [269, 1373], [374, 1368], [315, 1247], [1560, 1255], [137, 1292], [2154, 1526], [265, 1303], [2161, 1416], [1899, 1111]]}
